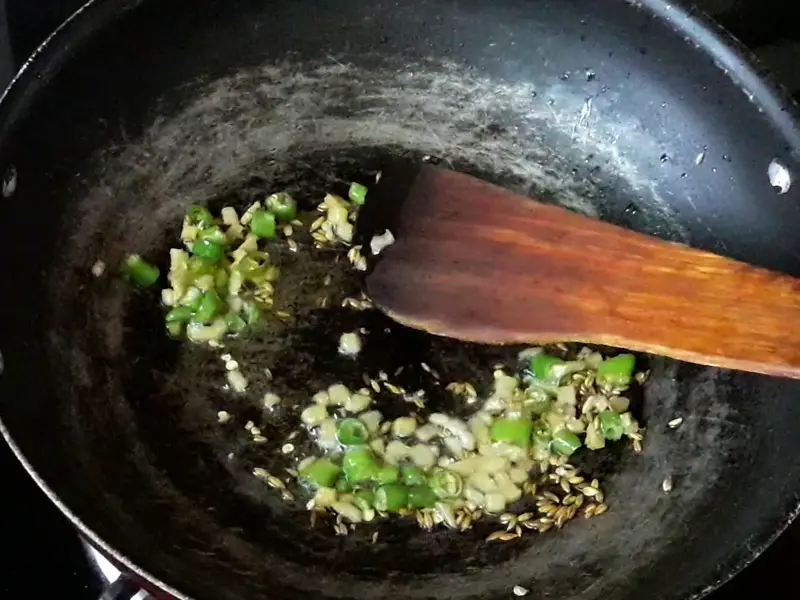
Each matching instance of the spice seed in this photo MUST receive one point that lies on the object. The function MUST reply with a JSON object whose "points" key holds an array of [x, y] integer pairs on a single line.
{"points": [[674, 423], [495, 536], [506, 517], [276, 483], [666, 485]]}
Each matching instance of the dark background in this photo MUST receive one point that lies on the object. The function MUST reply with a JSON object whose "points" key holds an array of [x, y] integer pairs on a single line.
{"points": [[40, 555]]}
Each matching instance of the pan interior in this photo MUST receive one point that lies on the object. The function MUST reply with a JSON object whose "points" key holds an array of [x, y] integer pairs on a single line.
{"points": [[141, 412]]}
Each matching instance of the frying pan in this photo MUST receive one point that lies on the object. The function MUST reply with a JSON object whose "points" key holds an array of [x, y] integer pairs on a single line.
{"points": [[641, 114]]}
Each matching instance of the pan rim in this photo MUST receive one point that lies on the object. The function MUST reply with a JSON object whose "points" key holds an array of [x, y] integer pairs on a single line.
{"points": [[730, 55]]}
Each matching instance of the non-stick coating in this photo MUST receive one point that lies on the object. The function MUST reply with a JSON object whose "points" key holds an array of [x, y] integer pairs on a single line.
{"points": [[611, 109]]}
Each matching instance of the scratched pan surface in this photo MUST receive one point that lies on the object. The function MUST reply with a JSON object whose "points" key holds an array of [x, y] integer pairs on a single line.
{"points": [[137, 109]]}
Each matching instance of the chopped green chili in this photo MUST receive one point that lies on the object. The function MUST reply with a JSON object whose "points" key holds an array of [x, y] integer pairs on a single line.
{"points": [[283, 206], [343, 486], [542, 365], [616, 371], [209, 307], [364, 499], [421, 496], [391, 497], [263, 224], [611, 425], [221, 278], [412, 475], [175, 328], [179, 314], [352, 432], [251, 313], [366, 495], [565, 442], [538, 402], [236, 324], [207, 250], [387, 474], [513, 431], [359, 465], [357, 193], [199, 217], [140, 271], [197, 267], [446, 483], [212, 234], [323, 472]]}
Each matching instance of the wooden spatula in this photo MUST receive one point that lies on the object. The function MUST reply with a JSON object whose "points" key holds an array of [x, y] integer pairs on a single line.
{"points": [[476, 262]]}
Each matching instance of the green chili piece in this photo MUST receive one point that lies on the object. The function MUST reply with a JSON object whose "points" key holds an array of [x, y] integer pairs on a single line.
{"points": [[282, 205], [140, 271], [360, 465], [421, 496], [391, 497], [249, 267], [446, 483], [364, 500], [236, 324], [616, 371], [179, 314], [263, 224], [197, 267], [192, 298], [565, 442], [611, 425], [412, 476], [516, 432], [212, 234], [221, 278], [538, 402], [251, 313], [366, 496], [175, 328], [542, 365], [200, 217], [323, 472], [352, 432], [387, 474], [207, 250], [357, 193], [209, 307]]}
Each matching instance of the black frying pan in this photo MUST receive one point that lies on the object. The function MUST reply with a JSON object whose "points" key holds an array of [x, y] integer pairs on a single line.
{"points": [[643, 115]]}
